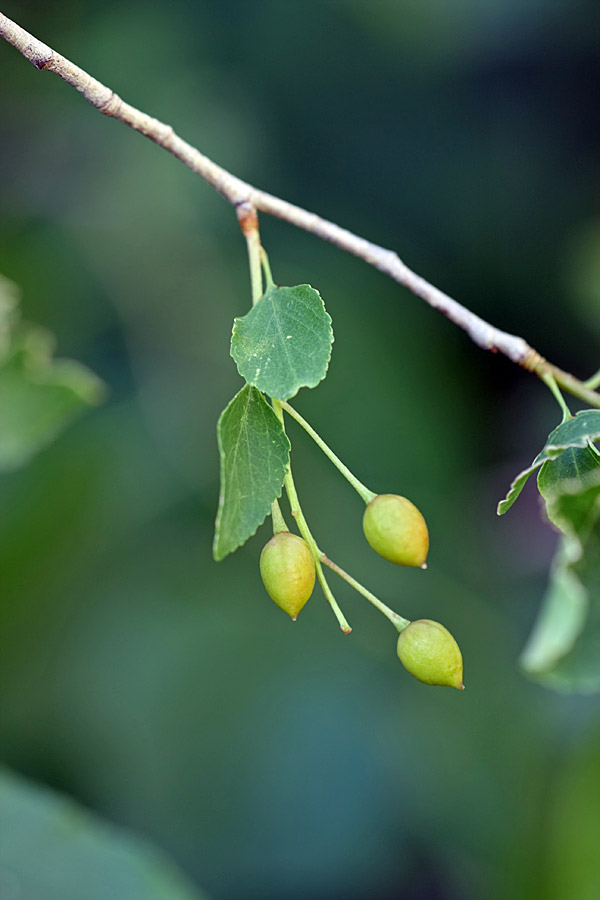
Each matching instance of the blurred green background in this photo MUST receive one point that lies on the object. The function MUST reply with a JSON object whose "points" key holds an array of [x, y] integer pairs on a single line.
{"points": [[166, 692]]}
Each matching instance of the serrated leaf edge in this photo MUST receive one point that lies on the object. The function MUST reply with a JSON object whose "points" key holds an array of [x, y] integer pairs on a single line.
{"points": [[309, 385], [221, 502]]}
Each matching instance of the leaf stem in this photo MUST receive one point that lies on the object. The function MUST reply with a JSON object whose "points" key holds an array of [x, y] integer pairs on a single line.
{"points": [[399, 622], [593, 382], [358, 486], [564, 380], [549, 380], [297, 513]]}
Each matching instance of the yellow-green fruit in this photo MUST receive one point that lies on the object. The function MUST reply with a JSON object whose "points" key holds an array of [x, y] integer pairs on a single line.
{"points": [[396, 530], [287, 569], [429, 652]]}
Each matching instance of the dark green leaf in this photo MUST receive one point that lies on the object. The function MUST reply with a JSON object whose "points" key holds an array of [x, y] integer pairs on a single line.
{"points": [[284, 342], [255, 454], [576, 432], [572, 465], [52, 849]]}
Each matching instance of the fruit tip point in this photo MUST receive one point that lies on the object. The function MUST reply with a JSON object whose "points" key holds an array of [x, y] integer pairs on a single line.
{"points": [[424, 565]]}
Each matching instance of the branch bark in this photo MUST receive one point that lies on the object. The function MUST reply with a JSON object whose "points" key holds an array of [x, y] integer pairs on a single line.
{"points": [[238, 192]]}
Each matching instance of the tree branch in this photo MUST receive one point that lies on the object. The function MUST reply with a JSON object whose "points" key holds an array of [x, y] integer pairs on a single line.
{"points": [[237, 192]]}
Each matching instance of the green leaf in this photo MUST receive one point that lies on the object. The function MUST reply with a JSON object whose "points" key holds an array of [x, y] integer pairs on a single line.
{"points": [[560, 620], [53, 849], [255, 454], [518, 484], [284, 342], [573, 464], [39, 396], [575, 432], [563, 650]]}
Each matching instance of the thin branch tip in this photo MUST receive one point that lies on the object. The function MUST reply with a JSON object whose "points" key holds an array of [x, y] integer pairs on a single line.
{"points": [[238, 193]]}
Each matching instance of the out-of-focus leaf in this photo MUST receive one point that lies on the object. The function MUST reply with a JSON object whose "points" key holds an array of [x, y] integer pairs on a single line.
{"points": [[560, 620], [255, 454], [39, 396], [284, 342], [53, 849], [578, 431], [564, 648]]}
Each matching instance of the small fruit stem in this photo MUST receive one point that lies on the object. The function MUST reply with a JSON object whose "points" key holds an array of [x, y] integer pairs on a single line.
{"points": [[277, 518], [397, 621], [593, 382], [266, 268], [549, 380], [297, 513], [358, 486]]}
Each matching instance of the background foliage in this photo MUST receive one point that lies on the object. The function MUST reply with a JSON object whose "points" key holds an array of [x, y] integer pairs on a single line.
{"points": [[165, 691]]}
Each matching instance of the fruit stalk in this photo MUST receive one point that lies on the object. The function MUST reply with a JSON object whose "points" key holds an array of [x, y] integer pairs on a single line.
{"points": [[306, 534], [358, 486], [397, 621]]}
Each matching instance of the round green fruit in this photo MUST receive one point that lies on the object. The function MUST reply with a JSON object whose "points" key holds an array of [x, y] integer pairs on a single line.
{"points": [[396, 530], [287, 569], [429, 652]]}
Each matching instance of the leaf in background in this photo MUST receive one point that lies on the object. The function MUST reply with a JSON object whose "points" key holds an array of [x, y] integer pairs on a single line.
{"points": [[255, 454], [284, 342], [39, 396], [560, 620], [563, 650], [576, 432], [53, 849]]}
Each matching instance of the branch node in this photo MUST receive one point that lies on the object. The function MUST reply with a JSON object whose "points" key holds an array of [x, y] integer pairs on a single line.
{"points": [[533, 361], [112, 106], [247, 217]]}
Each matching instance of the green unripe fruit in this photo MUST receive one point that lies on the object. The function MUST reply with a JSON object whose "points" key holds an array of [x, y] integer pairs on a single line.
{"points": [[287, 569], [396, 530], [429, 652]]}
